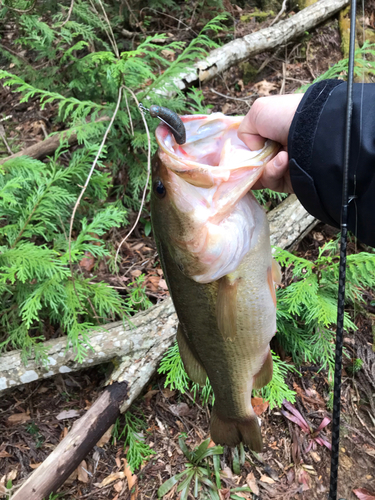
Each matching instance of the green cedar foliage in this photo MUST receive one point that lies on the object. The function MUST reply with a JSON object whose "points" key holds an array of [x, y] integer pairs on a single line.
{"points": [[307, 307], [134, 439], [78, 66], [37, 288]]}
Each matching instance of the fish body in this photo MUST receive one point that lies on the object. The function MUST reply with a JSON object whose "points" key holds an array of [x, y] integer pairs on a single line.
{"points": [[213, 242]]}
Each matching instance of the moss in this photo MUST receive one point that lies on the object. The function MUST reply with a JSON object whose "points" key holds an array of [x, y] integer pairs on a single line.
{"points": [[248, 72], [344, 26], [257, 14], [302, 4], [270, 5]]}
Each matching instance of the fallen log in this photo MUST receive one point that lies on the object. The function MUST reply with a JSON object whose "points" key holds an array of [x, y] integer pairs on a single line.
{"points": [[83, 436], [44, 148], [154, 332], [265, 39], [129, 342]]}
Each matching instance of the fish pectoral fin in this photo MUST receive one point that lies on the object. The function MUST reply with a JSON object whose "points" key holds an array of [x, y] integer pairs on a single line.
{"points": [[276, 272], [232, 431], [192, 364], [264, 376], [226, 307]]}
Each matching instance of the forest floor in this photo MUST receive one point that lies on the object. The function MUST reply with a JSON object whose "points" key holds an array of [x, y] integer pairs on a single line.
{"points": [[31, 418]]}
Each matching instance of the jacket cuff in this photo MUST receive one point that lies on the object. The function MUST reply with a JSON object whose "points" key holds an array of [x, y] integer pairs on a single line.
{"points": [[301, 144]]}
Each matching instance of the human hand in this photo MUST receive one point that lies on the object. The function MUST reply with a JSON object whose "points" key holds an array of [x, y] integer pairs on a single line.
{"points": [[271, 118]]}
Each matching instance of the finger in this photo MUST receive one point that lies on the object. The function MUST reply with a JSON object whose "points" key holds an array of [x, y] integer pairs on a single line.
{"points": [[248, 130], [252, 141], [274, 174]]}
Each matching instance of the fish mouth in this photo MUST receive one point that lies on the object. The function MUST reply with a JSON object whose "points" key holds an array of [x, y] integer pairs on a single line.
{"points": [[212, 149]]}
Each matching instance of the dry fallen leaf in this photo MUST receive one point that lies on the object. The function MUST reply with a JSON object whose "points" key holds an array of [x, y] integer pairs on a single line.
{"points": [[259, 405], [118, 486], [67, 414], [82, 472], [5, 454], [266, 479], [180, 409], [252, 483], [35, 466], [265, 88], [132, 480], [135, 273], [163, 284], [18, 418], [112, 477], [88, 262], [12, 475], [364, 494], [225, 108], [105, 438], [147, 397]]}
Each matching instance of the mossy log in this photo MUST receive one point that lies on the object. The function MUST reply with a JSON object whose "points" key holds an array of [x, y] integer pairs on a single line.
{"points": [[265, 39]]}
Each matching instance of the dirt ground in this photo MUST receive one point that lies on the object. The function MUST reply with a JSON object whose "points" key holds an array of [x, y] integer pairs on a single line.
{"points": [[31, 418]]}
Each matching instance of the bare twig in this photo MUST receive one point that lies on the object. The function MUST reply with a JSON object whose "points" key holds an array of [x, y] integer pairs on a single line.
{"points": [[244, 99], [130, 116], [137, 23], [148, 175], [282, 89], [283, 7], [361, 421], [3, 136], [69, 14], [21, 11], [112, 39], [171, 17]]}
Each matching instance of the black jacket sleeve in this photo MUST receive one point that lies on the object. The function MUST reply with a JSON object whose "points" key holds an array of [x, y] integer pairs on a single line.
{"points": [[316, 155]]}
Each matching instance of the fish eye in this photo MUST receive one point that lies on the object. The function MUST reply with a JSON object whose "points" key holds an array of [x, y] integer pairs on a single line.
{"points": [[159, 189]]}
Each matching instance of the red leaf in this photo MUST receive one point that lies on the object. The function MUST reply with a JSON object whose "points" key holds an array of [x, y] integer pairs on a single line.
{"points": [[323, 424], [363, 494], [295, 412], [296, 420]]}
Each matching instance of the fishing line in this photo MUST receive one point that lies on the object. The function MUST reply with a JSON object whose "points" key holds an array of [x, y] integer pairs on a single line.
{"points": [[342, 267]]}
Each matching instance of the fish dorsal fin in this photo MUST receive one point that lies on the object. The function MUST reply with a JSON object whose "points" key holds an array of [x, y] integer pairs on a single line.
{"points": [[226, 307], [192, 364]]}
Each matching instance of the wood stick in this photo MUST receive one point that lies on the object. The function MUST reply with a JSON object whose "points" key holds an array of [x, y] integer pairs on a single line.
{"points": [[44, 148], [148, 329], [83, 436]]}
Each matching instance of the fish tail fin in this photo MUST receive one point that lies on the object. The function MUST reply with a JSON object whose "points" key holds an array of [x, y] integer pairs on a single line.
{"points": [[231, 432]]}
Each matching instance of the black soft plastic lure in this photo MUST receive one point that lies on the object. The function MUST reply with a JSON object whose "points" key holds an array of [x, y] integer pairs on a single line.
{"points": [[172, 120]]}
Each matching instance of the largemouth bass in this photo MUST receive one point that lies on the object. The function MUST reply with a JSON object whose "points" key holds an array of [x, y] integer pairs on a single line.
{"points": [[213, 241]]}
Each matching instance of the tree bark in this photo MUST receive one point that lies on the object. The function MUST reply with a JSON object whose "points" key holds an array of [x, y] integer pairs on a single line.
{"points": [[149, 332], [259, 41], [83, 436], [44, 148]]}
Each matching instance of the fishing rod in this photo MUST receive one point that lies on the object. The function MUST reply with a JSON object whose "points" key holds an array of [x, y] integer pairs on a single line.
{"points": [[342, 267]]}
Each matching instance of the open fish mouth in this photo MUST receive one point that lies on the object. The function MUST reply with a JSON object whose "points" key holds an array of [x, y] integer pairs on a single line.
{"points": [[209, 220], [212, 148]]}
